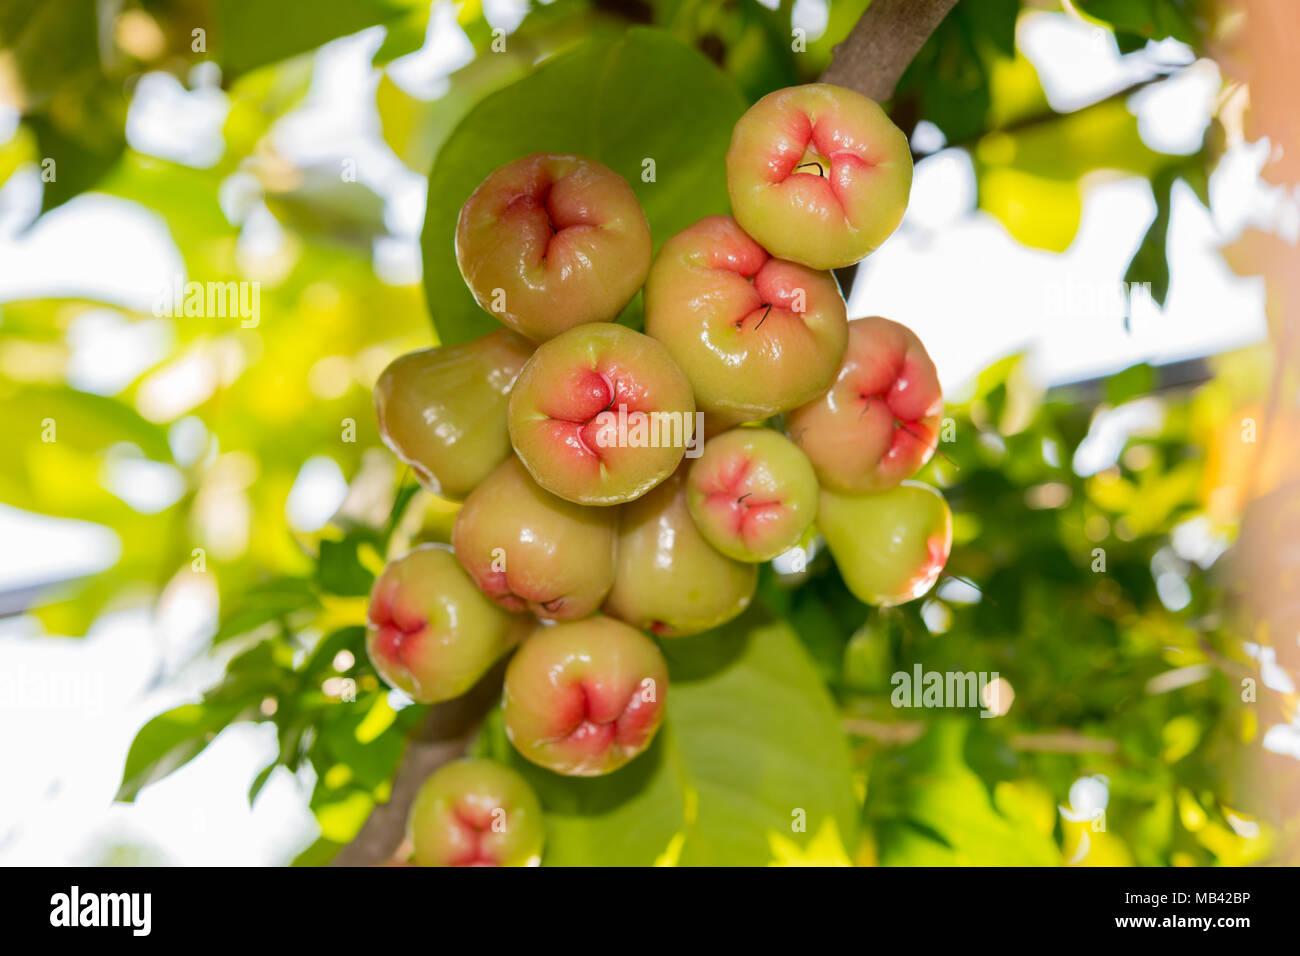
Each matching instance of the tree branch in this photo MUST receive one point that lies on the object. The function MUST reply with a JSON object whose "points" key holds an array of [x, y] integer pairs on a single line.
{"points": [[883, 43]]}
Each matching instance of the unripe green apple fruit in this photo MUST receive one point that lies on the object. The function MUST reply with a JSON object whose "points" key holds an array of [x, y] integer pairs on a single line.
{"points": [[530, 550], [430, 631], [752, 493], [551, 241], [668, 579], [584, 697], [879, 421], [818, 174], [890, 547], [601, 414], [476, 813], [755, 335], [443, 410]]}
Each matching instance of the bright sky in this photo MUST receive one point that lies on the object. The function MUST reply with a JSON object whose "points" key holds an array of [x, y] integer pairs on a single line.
{"points": [[70, 708]]}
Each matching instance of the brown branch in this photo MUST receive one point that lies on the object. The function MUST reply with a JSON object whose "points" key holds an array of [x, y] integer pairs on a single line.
{"points": [[441, 738], [884, 42]]}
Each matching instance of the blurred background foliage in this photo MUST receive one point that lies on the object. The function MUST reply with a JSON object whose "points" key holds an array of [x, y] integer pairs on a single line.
{"points": [[1091, 523]]}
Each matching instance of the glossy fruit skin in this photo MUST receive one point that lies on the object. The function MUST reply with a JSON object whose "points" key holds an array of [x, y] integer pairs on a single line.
{"points": [[430, 632], [890, 547], [879, 422], [565, 410], [668, 579], [476, 813], [752, 493], [755, 335], [529, 550], [550, 241], [583, 698], [443, 410], [827, 219]]}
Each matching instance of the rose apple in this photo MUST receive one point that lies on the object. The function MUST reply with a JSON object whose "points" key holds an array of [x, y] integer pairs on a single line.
{"points": [[752, 494], [890, 547], [668, 579], [443, 410], [476, 813], [601, 414], [530, 550], [879, 422], [430, 632], [755, 335], [818, 174], [551, 241], [582, 698]]}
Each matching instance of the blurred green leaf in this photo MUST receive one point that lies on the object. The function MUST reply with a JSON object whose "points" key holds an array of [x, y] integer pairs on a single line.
{"points": [[1142, 20], [170, 740], [941, 799], [254, 33]]}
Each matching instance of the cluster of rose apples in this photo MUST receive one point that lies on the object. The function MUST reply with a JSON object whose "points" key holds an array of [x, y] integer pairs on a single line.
{"points": [[616, 484]]}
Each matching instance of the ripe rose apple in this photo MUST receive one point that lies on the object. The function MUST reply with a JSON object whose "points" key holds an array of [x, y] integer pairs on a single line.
{"points": [[551, 241], [601, 414], [668, 579], [530, 550], [476, 813], [752, 494], [818, 174], [430, 631], [879, 422], [443, 410], [755, 335], [890, 547], [584, 697]]}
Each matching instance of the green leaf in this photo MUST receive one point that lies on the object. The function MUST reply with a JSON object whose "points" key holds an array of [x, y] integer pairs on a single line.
{"points": [[1130, 383], [340, 570], [751, 745], [1150, 264], [1149, 19], [947, 816], [950, 76], [254, 33], [169, 741], [260, 781], [264, 603], [74, 160], [607, 101]]}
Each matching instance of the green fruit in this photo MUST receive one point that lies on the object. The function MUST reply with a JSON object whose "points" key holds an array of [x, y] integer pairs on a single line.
{"points": [[668, 579], [476, 813], [443, 410], [601, 414], [752, 494], [551, 241], [818, 174], [584, 697], [430, 632], [890, 547], [755, 335], [529, 550]]}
